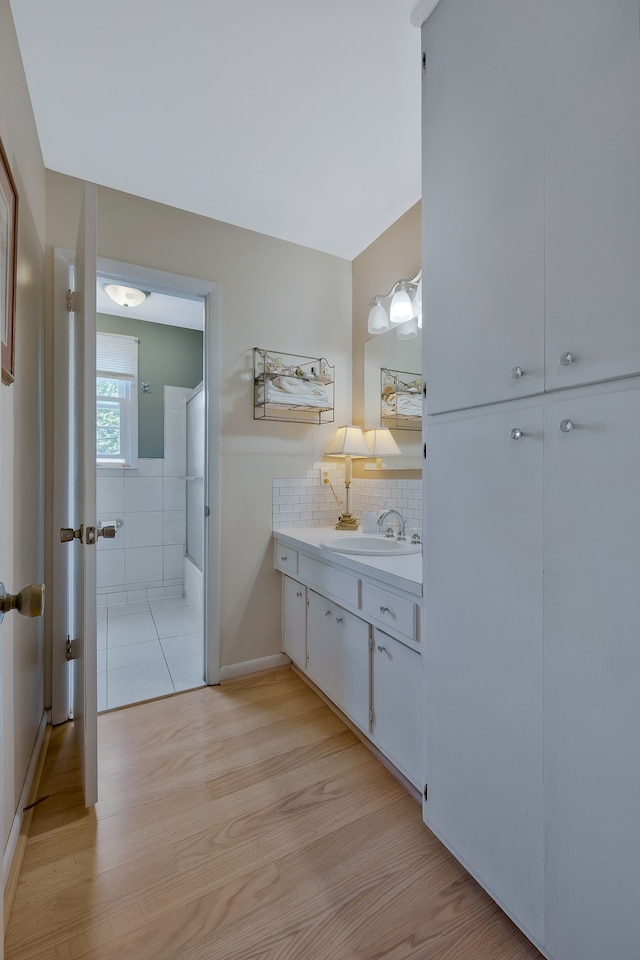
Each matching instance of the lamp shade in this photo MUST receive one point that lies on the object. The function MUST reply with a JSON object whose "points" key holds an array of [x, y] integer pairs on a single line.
{"points": [[348, 442], [125, 296], [378, 318], [401, 308], [408, 330], [381, 443]]}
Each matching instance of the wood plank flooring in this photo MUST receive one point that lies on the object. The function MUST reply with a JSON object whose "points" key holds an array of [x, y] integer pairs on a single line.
{"points": [[242, 822]]}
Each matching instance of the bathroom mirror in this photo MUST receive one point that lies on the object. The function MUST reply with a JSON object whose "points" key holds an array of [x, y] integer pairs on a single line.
{"points": [[385, 351]]}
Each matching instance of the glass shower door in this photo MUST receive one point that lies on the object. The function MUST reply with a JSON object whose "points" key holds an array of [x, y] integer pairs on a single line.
{"points": [[195, 477]]}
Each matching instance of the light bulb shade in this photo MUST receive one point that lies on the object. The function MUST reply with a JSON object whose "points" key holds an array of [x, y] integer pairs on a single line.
{"points": [[348, 442], [381, 443], [401, 308], [125, 296], [378, 318], [417, 297], [408, 330]]}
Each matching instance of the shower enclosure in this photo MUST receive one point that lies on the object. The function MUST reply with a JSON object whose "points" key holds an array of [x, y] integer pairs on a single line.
{"points": [[194, 552]]}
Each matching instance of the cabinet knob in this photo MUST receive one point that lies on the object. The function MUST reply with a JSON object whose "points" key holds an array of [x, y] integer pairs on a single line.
{"points": [[566, 426], [298, 593], [516, 433], [283, 559], [382, 649], [517, 372], [327, 613], [339, 619], [566, 359]]}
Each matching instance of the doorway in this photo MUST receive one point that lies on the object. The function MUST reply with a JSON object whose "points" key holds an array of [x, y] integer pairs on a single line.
{"points": [[156, 581]]}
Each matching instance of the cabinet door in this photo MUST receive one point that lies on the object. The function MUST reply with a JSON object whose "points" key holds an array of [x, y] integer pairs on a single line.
{"points": [[592, 678], [398, 699], [294, 621], [483, 585], [592, 236], [483, 203], [338, 657]]}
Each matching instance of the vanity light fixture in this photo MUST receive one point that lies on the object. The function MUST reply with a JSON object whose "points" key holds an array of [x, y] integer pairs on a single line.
{"points": [[347, 443], [125, 296], [404, 309], [381, 444]]}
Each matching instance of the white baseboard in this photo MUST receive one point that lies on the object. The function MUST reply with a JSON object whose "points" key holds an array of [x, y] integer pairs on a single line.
{"points": [[16, 826], [253, 666]]}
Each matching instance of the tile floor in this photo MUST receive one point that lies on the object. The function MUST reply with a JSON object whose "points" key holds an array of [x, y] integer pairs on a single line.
{"points": [[146, 650]]}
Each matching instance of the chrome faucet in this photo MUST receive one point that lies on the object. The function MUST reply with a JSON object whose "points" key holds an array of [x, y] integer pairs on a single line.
{"points": [[402, 524]]}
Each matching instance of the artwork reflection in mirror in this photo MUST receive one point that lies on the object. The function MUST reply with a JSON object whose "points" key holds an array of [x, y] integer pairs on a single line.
{"points": [[385, 351]]}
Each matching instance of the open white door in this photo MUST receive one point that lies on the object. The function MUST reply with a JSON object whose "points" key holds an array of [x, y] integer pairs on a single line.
{"points": [[74, 619]]}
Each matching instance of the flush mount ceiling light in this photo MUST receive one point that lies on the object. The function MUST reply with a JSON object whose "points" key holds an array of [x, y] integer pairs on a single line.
{"points": [[404, 308], [125, 296]]}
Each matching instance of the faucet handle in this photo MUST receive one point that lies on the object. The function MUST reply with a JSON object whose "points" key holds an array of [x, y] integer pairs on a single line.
{"points": [[389, 534]]}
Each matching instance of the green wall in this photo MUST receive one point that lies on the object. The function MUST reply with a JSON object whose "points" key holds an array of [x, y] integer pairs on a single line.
{"points": [[167, 355]]}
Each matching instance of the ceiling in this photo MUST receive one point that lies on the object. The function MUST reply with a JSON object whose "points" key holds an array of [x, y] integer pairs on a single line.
{"points": [[297, 120]]}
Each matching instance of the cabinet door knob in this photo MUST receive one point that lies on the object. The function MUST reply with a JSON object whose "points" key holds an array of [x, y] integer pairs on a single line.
{"points": [[566, 359], [516, 433], [517, 372], [382, 649], [327, 613], [283, 559], [339, 619], [566, 426], [298, 593]]}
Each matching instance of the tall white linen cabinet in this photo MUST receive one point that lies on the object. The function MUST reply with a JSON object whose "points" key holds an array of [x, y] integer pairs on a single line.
{"points": [[531, 301]]}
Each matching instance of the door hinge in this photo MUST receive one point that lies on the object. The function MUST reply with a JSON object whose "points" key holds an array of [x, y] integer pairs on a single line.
{"points": [[424, 64], [71, 301], [425, 793], [371, 717], [70, 646], [424, 451], [424, 390]]}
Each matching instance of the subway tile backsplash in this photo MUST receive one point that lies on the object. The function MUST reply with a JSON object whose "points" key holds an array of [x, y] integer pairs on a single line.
{"points": [[309, 502]]}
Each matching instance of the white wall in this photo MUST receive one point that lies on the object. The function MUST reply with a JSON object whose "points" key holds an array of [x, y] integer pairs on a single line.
{"points": [[273, 294], [22, 432]]}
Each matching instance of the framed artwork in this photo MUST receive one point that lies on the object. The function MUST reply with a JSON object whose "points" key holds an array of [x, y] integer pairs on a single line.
{"points": [[8, 265]]}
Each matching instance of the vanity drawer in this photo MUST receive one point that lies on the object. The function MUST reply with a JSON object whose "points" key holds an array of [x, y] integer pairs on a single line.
{"points": [[285, 558], [397, 614], [332, 583]]}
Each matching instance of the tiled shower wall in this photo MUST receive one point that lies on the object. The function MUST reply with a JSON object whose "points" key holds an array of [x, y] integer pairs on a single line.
{"points": [[308, 502], [145, 561]]}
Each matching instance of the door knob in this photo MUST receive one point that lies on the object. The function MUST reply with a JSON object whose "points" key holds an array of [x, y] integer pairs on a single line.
{"points": [[29, 601], [107, 532], [67, 534]]}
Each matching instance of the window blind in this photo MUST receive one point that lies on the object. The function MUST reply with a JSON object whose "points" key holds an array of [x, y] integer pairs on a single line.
{"points": [[116, 356]]}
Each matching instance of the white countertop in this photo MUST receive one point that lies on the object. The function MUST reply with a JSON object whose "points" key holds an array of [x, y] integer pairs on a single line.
{"points": [[403, 572]]}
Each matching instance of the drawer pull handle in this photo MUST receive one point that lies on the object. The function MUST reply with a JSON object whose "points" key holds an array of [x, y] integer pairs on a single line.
{"points": [[385, 609], [339, 619], [382, 649], [283, 559], [298, 593], [327, 613]]}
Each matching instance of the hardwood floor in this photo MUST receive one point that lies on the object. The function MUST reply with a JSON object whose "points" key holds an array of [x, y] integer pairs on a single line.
{"points": [[242, 822]]}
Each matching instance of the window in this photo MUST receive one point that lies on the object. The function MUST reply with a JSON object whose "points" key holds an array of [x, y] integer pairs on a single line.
{"points": [[116, 400]]}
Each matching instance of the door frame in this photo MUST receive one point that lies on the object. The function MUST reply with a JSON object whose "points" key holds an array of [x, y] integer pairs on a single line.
{"points": [[174, 284], [160, 281]]}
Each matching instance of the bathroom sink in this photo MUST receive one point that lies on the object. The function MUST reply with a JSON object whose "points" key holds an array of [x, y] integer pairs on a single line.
{"points": [[370, 545]]}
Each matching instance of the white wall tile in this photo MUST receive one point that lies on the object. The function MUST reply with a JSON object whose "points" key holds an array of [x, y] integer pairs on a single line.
{"points": [[142, 493], [142, 564], [175, 524], [173, 561], [175, 459], [110, 568], [174, 495], [144, 529], [109, 494], [175, 424], [150, 467]]}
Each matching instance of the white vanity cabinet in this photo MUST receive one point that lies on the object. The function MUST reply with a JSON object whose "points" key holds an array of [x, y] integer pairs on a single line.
{"points": [[355, 633], [338, 656], [294, 621], [397, 703]]}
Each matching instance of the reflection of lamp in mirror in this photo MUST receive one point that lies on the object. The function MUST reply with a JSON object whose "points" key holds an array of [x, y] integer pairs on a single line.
{"points": [[381, 444], [348, 442]]}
